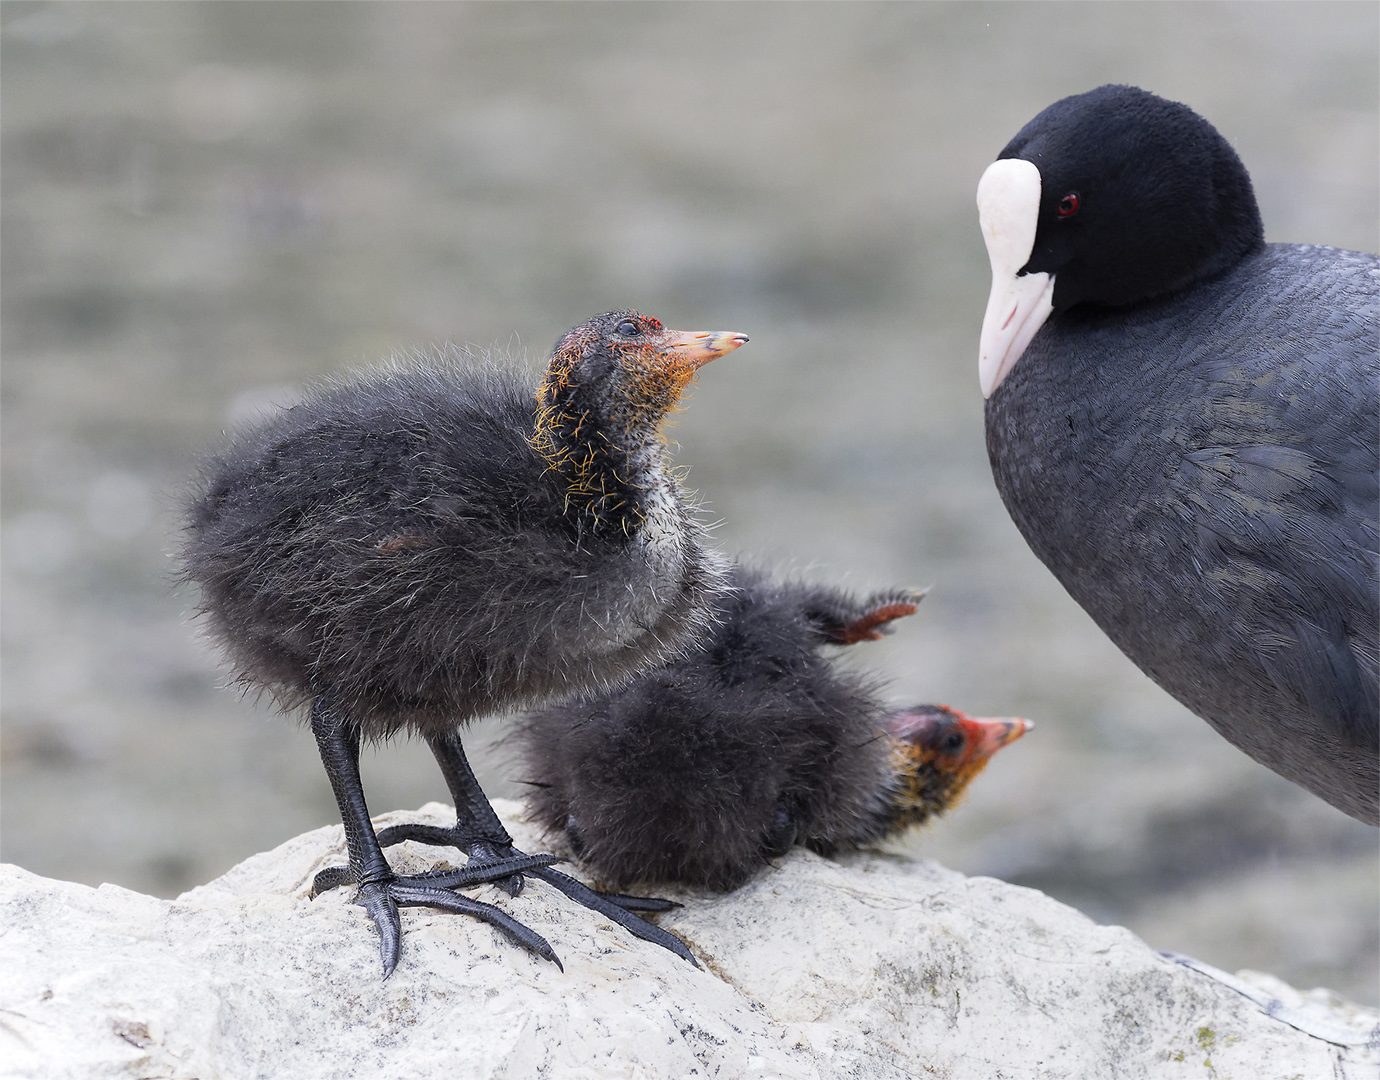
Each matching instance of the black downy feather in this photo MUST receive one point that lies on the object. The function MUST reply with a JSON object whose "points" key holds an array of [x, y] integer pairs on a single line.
{"points": [[706, 768]]}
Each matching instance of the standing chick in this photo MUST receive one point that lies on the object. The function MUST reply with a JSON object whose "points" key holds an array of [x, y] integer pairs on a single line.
{"points": [[436, 542], [706, 768]]}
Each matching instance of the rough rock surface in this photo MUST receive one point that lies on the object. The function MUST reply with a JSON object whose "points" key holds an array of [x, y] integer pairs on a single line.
{"points": [[874, 966]]}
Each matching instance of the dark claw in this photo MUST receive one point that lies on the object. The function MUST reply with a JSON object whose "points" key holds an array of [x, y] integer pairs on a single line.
{"points": [[329, 879], [375, 897]]}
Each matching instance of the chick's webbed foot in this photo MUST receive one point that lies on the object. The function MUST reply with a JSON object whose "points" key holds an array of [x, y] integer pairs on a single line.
{"points": [[382, 892], [382, 899], [498, 859]]}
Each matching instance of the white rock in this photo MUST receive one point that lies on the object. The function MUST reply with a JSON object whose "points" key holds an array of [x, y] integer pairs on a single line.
{"points": [[873, 966]]}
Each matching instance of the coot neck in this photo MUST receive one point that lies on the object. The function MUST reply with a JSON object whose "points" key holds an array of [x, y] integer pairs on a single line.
{"points": [[1213, 267], [608, 451]]}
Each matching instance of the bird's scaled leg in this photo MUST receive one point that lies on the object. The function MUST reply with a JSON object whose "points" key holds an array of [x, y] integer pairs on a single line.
{"points": [[479, 833], [380, 891]]}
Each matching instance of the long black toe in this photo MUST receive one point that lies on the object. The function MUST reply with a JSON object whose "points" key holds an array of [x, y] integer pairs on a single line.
{"points": [[416, 896], [497, 871], [651, 904], [638, 927], [483, 851], [382, 899]]}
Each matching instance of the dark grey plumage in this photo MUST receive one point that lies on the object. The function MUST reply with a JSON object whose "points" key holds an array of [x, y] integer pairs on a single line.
{"points": [[398, 540], [703, 770], [1190, 441], [439, 540]]}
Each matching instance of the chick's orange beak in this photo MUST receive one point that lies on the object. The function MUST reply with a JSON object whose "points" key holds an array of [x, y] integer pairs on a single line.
{"points": [[986, 736], [693, 348]]}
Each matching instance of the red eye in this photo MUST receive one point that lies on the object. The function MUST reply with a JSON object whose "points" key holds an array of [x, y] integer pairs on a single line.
{"points": [[1068, 205]]}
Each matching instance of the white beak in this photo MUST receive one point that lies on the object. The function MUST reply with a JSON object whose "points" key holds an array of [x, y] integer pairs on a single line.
{"points": [[1008, 198]]}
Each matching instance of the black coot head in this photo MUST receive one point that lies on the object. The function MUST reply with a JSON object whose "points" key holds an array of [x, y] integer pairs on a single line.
{"points": [[1106, 198], [1139, 196]]}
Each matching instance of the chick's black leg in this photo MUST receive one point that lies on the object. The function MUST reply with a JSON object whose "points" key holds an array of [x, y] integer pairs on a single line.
{"points": [[380, 891], [477, 830], [479, 833]]}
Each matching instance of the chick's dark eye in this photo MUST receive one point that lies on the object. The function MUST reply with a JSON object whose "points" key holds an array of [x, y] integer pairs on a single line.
{"points": [[1068, 205], [627, 328], [953, 741]]}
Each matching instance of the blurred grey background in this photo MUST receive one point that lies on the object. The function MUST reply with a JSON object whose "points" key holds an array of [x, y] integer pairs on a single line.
{"points": [[206, 205]]}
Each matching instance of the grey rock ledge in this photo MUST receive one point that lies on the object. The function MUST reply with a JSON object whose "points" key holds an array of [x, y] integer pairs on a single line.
{"points": [[872, 966]]}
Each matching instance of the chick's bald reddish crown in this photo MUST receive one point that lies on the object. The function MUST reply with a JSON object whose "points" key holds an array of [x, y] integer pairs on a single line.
{"points": [[612, 332]]}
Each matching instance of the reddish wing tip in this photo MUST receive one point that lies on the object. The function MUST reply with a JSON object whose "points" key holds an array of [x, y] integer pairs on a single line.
{"points": [[866, 627]]}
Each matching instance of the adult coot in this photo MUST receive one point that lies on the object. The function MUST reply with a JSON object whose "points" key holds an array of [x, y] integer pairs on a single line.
{"points": [[437, 541], [703, 770], [1182, 420]]}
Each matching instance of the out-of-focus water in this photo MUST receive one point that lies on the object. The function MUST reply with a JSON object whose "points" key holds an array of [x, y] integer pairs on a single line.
{"points": [[205, 205]]}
